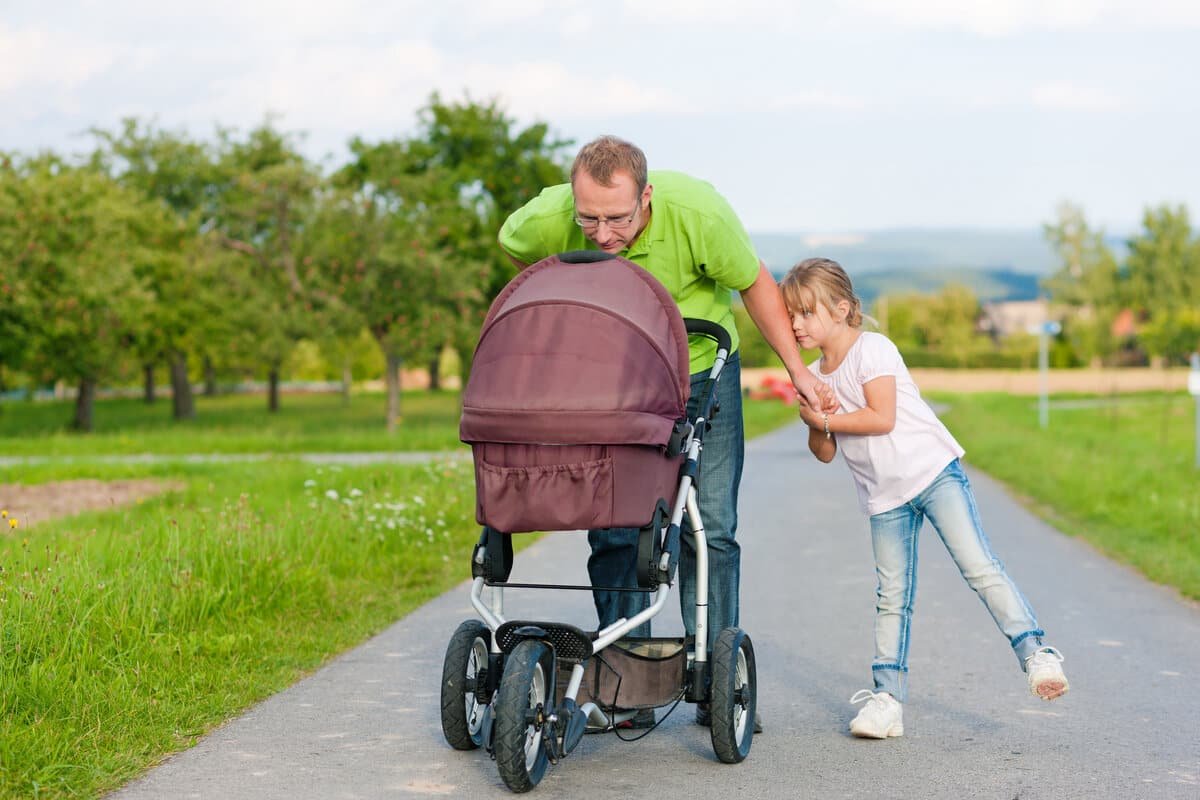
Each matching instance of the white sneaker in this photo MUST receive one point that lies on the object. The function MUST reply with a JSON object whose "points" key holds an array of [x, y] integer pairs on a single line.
{"points": [[881, 717], [1044, 670]]}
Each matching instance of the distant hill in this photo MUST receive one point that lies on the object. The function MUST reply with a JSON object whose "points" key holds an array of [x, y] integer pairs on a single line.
{"points": [[995, 264], [1022, 251], [987, 284]]}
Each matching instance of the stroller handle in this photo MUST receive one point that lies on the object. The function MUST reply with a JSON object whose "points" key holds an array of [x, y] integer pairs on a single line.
{"points": [[703, 327]]}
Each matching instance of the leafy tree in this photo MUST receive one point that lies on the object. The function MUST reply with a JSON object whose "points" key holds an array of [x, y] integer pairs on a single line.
{"points": [[77, 246], [1164, 282], [467, 167], [1088, 281], [179, 173], [393, 272], [268, 193]]}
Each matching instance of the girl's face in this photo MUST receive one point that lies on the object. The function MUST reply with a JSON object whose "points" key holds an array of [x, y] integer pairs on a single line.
{"points": [[814, 324]]}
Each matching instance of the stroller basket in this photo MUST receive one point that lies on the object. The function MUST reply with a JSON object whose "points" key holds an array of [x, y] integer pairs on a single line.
{"points": [[631, 674], [578, 381]]}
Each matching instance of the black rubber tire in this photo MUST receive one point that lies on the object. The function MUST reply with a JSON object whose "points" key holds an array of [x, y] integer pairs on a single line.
{"points": [[466, 655], [527, 684], [734, 695]]}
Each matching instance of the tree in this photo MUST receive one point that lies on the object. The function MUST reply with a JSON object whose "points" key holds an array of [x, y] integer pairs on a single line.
{"points": [[77, 246], [1164, 282], [391, 269], [171, 169], [467, 167], [1088, 281], [269, 193]]}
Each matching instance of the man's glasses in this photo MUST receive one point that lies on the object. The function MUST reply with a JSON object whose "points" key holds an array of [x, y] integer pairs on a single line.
{"points": [[613, 223]]}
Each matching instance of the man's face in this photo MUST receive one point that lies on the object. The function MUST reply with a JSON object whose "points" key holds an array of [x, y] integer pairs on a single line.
{"points": [[611, 216]]}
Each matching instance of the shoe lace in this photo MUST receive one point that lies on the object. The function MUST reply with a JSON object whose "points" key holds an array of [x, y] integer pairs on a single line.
{"points": [[865, 694], [1046, 654]]}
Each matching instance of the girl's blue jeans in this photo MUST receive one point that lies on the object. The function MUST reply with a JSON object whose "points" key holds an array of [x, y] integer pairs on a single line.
{"points": [[949, 505]]}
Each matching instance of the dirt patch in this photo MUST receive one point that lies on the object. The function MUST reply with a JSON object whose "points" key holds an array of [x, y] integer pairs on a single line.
{"points": [[39, 502], [1026, 382]]}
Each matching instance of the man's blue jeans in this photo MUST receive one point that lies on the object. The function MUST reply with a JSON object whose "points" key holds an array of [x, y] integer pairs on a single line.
{"points": [[614, 551], [949, 504]]}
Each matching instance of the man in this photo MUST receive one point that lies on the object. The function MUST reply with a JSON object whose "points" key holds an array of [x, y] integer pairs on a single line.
{"points": [[685, 234]]}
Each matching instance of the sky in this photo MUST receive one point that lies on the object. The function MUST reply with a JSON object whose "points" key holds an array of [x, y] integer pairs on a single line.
{"points": [[825, 118]]}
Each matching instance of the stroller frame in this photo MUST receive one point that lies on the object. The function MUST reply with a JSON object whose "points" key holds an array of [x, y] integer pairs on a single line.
{"points": [[499, 687]]}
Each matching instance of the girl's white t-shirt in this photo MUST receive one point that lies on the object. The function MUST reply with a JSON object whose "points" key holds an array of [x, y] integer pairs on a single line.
{"points": [[892, 468]]}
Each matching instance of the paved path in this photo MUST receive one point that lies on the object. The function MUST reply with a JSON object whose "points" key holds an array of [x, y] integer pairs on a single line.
{"points": [[381, 457], [367, 725]]}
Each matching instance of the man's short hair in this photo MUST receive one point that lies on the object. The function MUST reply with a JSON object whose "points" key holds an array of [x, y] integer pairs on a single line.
{"points": [[606, 155]]}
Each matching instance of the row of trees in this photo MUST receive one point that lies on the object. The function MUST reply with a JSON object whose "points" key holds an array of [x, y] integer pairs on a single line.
{"points": [[1143, 305], [1146, 302], [156, 248]]}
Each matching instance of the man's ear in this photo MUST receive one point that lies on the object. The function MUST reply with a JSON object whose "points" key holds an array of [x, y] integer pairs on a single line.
{"points": [[649, 190]]}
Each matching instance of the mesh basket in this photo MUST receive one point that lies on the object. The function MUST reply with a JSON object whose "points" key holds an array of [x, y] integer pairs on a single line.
{"points": [[631, 674]]}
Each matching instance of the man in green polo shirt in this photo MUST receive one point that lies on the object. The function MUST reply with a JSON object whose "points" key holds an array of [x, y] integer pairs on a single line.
{"points": [[685, 234]]}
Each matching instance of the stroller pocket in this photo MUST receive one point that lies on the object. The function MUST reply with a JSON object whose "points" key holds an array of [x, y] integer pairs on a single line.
{"points": [[567, 496]]}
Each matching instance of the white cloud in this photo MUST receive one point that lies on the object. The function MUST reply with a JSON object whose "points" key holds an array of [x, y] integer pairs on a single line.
{"points": [[36, 57], [1063, 95], [1013, 16]]}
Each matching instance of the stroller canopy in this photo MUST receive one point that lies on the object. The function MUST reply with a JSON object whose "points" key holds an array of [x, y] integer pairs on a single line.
{"points": [[578, 348]]}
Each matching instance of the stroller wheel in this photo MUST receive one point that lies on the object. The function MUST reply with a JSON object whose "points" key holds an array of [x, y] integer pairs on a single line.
{"points": [[734, 695], [526, 696], [465, 663]]}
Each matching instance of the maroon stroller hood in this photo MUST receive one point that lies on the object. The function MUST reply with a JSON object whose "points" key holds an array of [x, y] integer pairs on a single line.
{"points": [[579, 377]]}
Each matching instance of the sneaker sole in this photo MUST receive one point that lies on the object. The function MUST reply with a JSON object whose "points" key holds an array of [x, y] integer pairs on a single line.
{"points": [[895, 730], [1051, 689]]}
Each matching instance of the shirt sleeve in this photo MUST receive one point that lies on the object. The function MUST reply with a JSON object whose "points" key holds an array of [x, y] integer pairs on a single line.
{"points": [[729, 256], [879, 357], [524, 235]]}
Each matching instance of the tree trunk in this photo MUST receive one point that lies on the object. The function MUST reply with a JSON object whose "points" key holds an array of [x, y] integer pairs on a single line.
{"points": [[394, 363], [347, 379], [85, 405], [210, 378], [273, 390], [183, 405], [148, 383], [435, 373]]}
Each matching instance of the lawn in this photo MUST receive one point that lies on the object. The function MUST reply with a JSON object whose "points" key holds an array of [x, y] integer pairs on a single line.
{"points": [[130, 633], [1118, 472], [315, 423]]}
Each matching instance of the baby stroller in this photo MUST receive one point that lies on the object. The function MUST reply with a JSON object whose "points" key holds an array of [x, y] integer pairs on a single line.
{"points": [[576, 412]]}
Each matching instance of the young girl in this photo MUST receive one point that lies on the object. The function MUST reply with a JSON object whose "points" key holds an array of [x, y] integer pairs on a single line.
{"points": [[906, 467]]}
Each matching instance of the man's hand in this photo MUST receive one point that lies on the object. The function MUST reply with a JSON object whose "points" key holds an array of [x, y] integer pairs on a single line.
{"points": [[815, 393], [811, 416]]}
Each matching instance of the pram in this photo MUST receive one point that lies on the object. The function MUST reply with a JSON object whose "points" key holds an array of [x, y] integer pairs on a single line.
{"points": [[576, 412]]}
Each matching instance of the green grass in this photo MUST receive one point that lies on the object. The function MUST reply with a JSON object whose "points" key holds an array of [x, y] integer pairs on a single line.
{"points": [[233, 424], [764, 416], [1118, 472], [129, 634]]}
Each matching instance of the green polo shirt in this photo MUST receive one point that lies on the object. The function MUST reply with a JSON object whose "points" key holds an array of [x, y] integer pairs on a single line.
{"points": [[695, 245]]}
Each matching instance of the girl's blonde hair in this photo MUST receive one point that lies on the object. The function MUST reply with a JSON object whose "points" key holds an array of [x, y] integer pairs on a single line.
{"points": [[821, 280]]}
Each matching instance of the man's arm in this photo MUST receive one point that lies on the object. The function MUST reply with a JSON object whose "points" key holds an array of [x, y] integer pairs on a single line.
{"points": [[764, 302]]}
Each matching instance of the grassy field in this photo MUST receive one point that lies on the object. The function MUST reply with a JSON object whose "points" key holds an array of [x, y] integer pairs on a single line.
{"points": [[317, 423], [128, 634], [1119, 472]]}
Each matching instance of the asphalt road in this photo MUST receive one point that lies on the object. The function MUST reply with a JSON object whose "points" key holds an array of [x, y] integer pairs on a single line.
{"points": [[367, 725]]}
